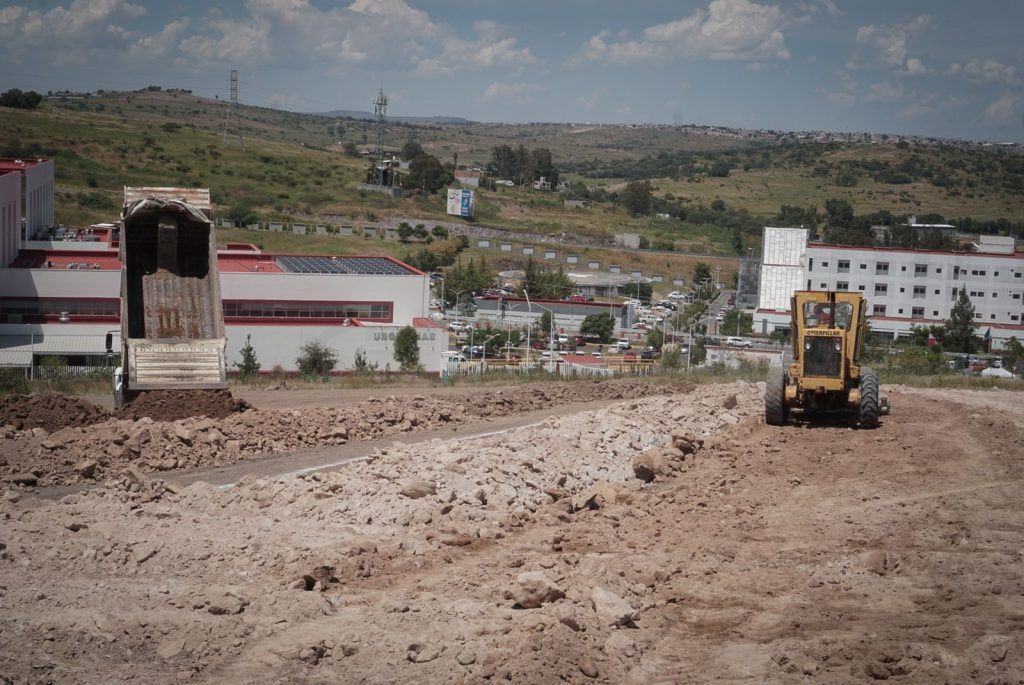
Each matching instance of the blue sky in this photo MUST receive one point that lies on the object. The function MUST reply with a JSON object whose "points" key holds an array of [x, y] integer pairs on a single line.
{"points": [[931, 67]]}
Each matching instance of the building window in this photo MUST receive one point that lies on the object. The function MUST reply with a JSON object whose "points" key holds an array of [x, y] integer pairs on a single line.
{"points": [[844, 266], [935, 312], [938, 269], [938, 292], [920, 269], [903, 290], [824, 265], [900, 311], [1016, 296], [977, 315], [881, 268], [842, 285], [992, 316], [810, 264], [919, 291], [863, 266], [917, 313], [1014, 317], [368, 311], [861, 288], [995, 274], [903, 268], [881, 289], [955, 294], [823, 286], [1017, 274], [30, 311], [878, 310]]}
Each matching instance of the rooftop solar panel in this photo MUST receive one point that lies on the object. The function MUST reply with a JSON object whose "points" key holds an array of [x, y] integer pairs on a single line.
{"points": [[377, 266]]}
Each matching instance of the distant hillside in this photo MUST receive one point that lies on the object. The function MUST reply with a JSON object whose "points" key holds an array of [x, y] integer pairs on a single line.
{"points": [[356, 114]]}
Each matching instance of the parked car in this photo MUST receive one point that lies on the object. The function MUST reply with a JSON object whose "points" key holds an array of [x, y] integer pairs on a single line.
{"points": [[459, 326], [641, 326], [623, 344], [650, 354], [629, 357], [738, 342], [563, 339]]}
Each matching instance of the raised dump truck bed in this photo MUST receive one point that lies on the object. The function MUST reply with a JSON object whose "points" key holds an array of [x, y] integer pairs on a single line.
{"points": [[172, 322]]}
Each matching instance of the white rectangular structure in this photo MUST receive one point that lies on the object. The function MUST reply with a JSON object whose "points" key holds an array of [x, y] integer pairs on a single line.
{"points": [[10, 216], [782, 266], [460, 202]]}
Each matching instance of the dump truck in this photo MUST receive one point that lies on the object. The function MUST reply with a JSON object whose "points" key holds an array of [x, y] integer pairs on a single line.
{"points": [[825, 378], [172, 320]]}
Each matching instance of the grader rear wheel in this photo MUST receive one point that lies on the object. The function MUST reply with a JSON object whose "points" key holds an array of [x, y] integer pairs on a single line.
{"points": [[868, 398], [775, 397]]}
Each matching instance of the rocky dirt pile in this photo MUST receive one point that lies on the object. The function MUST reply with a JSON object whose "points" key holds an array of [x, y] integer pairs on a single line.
{"points": [[266, 580], [171, 405], [74, 454], [49, 412]]}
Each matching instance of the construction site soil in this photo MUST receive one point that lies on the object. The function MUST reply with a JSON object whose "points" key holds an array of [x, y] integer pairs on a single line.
{"points": [[670, 537]]}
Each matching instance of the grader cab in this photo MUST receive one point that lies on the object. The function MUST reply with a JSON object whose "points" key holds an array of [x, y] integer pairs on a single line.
{"points": [[826, 377]]}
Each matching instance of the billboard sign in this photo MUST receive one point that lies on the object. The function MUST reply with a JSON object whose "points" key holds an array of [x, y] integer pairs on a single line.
{"points": [[460, 202]]}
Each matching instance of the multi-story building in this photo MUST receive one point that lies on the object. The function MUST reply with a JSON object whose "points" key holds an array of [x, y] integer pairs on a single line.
{"points": [[904, 287]]}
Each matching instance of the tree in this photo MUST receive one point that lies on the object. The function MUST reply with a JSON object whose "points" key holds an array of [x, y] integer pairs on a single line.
{"points": [[737, 322], [600, 326], [1013, 354], [540, 164], [411, 150], [20, 99], [439, 231], [350, 149], [407, 349], [248, 366], [427, 173], [960, 325], [636, 198], [701, 273], [316, 360], [655, 338], [546, 322], [719, 169], [405, 231], [467, 279], [737, 242]]}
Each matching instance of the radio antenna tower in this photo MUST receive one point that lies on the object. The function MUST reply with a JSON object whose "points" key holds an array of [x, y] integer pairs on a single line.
{"points": [[380, 108], [232, 128]]}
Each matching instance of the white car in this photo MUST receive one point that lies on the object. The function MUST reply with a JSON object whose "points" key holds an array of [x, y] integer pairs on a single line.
{"points": [[738, 342], [675, 295], [563, 339], [623, 344], [459, 326]]}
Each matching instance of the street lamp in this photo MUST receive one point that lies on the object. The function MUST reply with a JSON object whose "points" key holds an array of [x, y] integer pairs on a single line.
{"points": [[551, 333]]}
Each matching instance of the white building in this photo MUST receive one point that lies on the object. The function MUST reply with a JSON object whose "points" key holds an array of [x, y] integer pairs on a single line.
{"points": [[35, 192], [904, 287], [63, 299]]}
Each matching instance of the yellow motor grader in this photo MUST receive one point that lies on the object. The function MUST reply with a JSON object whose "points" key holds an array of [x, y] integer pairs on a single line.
{"points": [[825, 377]]}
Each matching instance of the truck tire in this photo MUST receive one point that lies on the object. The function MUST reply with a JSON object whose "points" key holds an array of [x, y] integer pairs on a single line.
{"points": [[775, 397], [868, 398]]}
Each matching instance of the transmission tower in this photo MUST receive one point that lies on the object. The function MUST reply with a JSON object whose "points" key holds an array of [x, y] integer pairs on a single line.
{"points": [[232, 128], [380, 108]]}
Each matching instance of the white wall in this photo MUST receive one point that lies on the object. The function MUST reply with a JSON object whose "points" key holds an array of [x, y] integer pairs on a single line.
{"points": [[38, 196], [10, 216], [781, 266]]}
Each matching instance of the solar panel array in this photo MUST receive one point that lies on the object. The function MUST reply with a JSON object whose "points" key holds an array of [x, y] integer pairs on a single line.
{"points": [[375, 266]]}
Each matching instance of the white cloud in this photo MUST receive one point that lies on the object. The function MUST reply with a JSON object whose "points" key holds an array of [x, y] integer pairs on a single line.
{"points": [[158, 44], [888, 46], [516, 93], [1006, 111], [490, 49], [986, 71], [887, 92], [726, 30], [82, 25]]}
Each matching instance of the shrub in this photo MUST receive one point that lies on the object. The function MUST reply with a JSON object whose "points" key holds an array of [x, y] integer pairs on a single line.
{"points": [[317, 360], [407, 349], [248, 366]]}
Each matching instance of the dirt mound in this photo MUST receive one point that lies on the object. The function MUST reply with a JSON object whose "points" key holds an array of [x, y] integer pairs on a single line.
{"points": [[171, 405], [49, 412]]}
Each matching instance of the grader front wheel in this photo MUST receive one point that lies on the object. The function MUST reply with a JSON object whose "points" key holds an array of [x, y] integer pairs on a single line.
{"points": [[869, 406], [775, 397]]}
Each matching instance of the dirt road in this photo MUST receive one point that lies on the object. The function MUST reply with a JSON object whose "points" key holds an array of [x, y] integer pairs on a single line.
{"points": [[756, 554]]}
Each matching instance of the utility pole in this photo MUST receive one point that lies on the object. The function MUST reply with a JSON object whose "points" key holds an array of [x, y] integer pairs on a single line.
{"points": [[380, 108], [232, 128]]}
